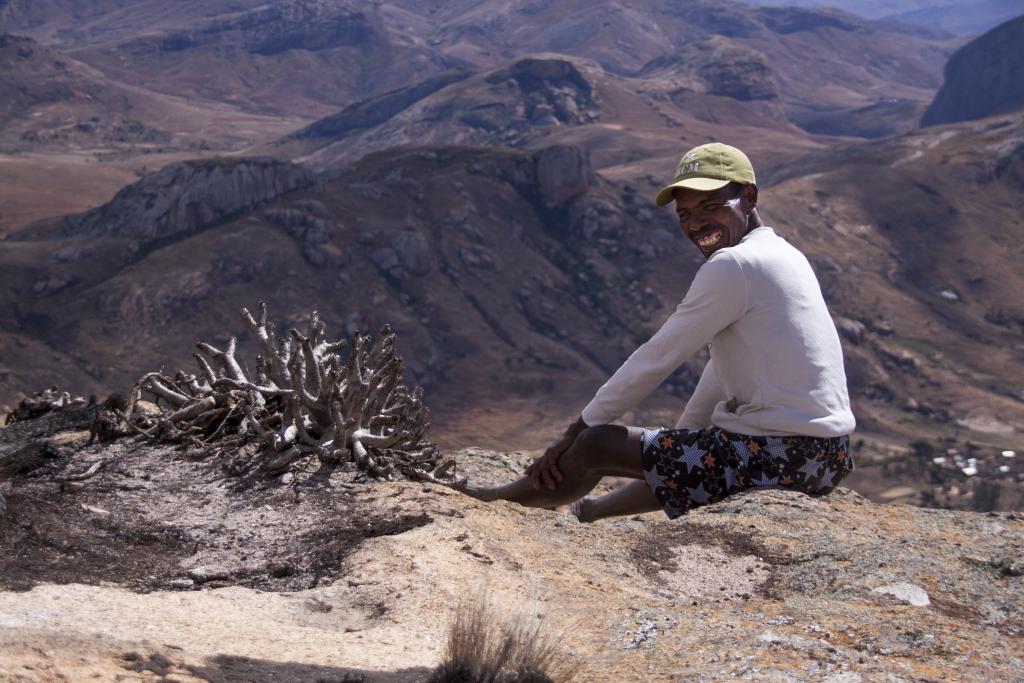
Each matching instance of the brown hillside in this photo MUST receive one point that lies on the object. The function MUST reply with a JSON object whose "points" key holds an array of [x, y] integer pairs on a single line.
{"points": [[306, 56], [435, 242], [916, 240], [297, 57], [514, 282], [53, 103], [549, 99]]}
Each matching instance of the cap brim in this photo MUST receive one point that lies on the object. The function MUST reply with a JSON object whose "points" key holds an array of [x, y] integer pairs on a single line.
{"points": [[699, 184]]}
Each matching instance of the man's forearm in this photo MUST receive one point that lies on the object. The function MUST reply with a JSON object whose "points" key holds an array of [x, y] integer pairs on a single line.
{"points": [[576, 427]]}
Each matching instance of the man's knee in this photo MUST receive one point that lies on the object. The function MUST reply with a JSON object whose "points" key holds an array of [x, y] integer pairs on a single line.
{"points": [[601, 446]]}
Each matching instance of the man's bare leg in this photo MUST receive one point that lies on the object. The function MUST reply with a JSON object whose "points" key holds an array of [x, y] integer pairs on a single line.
{"points": [[633, 498], [602, 451]]}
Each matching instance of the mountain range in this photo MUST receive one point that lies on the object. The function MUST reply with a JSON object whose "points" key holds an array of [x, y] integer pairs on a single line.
{"points": [[480, 176]]}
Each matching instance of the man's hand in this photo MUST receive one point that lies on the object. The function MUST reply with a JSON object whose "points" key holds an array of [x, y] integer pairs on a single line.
{"points": [[545, 470]]}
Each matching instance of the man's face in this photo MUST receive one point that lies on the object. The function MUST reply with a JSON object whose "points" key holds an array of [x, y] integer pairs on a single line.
{"points": [[717, 219]]}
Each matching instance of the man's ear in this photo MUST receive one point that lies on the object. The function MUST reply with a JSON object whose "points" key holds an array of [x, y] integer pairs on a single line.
{"points": [[749, 195]]}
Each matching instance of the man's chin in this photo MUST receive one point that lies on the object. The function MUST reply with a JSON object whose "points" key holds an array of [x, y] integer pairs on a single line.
{"points": [[709, 250]]}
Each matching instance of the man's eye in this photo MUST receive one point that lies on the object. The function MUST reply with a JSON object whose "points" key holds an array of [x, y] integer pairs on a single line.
{"points": [[711, 206]]}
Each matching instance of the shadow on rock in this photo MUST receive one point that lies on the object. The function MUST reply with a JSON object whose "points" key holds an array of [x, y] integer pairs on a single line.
{"points": [[230, 669]]}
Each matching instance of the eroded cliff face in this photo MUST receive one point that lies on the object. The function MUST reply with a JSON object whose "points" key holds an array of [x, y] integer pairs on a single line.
{"points": [[983, 78], [351, 578], [184, 197]]}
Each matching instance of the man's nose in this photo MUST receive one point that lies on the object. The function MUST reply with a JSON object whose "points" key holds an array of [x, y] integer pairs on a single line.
{"points": [[694, 223]]}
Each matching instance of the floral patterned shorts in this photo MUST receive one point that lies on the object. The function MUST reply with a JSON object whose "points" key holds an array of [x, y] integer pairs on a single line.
{"points": [[687, 468]]}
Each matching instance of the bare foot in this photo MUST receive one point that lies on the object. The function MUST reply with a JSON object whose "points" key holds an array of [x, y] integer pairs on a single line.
{"points": [[483, 493], [583, 509], [462, 485]]}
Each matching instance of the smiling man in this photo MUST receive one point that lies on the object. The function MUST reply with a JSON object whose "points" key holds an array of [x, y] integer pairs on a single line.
{"points": [[771, 408]]}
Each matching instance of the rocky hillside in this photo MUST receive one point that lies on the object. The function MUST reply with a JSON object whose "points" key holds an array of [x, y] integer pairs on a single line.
{"points": [[359, 581], [487, 179], [54, 104], [919, 266], [184, 197], [434, 241], [52, 100], [819, 60], [72, 23], [983, 78], [508, 106], [504, 271], [962, 17], [344, 51]]}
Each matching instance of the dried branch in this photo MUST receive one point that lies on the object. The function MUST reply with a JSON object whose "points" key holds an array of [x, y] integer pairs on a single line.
{"points": [[304, 401], [41, 403]]}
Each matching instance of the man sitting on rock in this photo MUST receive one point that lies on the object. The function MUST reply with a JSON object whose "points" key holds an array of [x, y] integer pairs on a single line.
{"points": [[771, 408]]}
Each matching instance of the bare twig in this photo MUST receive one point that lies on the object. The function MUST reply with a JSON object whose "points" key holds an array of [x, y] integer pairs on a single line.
{"points": [[82, 476], [304, 401]]}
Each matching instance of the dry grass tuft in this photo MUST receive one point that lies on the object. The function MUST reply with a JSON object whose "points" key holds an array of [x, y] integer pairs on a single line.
{"points": [[484, 647]]}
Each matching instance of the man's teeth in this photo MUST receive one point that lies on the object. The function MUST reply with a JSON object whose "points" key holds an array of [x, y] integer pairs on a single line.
{"points": [[711, 239]]}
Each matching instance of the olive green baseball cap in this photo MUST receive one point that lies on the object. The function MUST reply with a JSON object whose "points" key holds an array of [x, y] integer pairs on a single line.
{"points": [[709, 167]]}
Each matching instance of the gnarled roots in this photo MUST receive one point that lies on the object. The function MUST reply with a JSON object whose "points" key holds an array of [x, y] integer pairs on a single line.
{"points": [[302, 402], [41, 403]]}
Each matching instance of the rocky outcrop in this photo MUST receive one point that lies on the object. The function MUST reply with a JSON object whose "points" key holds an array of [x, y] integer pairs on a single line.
{"points": [[983, 78], [312, 25], [308, 222], [764, 586], [563, 172], [187, 196], [795, 19], [552, 91], [406, 255], [375, 111], [717, 66], [507, 106]]}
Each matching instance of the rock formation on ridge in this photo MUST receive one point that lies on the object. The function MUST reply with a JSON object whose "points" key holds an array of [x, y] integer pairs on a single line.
{"points": [[184, 197], [983, 78]]}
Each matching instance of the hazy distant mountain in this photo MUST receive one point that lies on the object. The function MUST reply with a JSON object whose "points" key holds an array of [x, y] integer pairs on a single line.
{"points": [[983, 78], [969, 17], [954, 16]]}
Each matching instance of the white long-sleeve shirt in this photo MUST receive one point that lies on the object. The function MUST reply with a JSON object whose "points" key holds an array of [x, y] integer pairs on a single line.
{"points": [[776, 364]]}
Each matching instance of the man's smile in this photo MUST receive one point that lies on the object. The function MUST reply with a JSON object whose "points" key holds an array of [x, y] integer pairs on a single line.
{"points": [[709, 238]]}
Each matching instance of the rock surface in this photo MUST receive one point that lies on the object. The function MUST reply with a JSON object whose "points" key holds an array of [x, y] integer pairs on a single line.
{"points": [[508, 105], [562, 173], [718, 66], [769, 585], [983, 78], [183, 197], [374, 111]]}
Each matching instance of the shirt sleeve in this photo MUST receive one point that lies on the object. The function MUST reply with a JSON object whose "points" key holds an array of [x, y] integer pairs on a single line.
{"points": [[708, 394], [717, 297]]}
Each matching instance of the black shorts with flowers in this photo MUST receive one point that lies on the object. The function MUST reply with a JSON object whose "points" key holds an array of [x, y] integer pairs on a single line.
{"points": [[687, 468]]}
